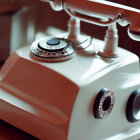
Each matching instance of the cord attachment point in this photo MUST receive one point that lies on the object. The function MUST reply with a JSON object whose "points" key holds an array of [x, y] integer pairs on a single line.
{"points": [[81, 41]]}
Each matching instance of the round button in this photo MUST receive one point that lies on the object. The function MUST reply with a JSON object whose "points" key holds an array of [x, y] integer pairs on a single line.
{"points": [[53, 41], [133, 107], [104, 103]]}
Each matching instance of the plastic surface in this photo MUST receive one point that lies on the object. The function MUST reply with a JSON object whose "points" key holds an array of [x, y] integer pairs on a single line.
{"points": [[37, 99]]}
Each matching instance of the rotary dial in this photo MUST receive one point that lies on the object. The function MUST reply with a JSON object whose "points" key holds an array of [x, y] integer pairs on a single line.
{"points": [[53, 49]]}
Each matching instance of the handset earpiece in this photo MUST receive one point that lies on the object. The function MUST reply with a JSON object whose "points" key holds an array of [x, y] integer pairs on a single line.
{"points": [[134, 32]]}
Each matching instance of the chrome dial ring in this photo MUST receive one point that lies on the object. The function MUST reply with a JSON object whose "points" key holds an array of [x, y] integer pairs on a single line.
{"points": [[53, 49]]}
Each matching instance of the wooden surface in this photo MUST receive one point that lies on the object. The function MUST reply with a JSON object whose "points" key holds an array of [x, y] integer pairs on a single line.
{"points": [[9, 132]]}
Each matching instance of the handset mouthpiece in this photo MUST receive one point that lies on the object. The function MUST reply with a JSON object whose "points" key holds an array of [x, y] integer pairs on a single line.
{"points": [[56, 5]]}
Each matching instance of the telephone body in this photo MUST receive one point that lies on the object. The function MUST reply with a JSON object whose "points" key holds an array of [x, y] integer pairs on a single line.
{"points": [[53, 91]]}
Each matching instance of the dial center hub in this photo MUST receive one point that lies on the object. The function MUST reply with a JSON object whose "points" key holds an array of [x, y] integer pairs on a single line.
{"points": [[53, 41]]}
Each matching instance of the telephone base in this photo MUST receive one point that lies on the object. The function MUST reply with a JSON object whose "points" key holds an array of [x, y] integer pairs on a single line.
{"points": [[55, 100]]}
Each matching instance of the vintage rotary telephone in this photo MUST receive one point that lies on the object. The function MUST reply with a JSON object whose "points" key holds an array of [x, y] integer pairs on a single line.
{"points": [[62, 88]]}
